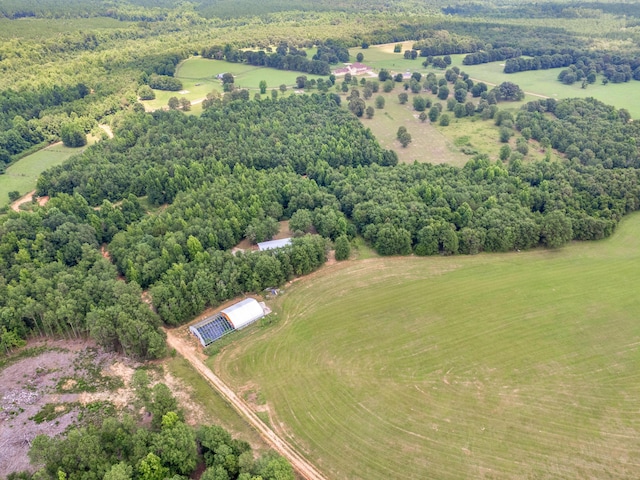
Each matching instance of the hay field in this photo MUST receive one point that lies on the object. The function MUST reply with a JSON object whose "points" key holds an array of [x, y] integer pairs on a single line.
{"points": [[23, 174], [198, 76], [540, 82], [519, 365]]}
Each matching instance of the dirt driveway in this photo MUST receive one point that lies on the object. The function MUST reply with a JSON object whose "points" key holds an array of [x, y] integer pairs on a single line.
{"points": [[299, 463]]}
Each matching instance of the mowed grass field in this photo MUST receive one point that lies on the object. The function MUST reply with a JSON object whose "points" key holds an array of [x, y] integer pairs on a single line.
{"points": [[540, 82], [432, 143], [23, 174], [198, 76], [520, 365]]}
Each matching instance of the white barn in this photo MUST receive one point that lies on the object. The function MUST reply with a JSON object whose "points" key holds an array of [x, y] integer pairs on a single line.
{"points": [[243, 313], [232, 318], [270, 245]]}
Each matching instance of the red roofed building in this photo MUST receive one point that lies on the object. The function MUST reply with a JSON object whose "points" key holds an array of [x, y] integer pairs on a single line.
{"points": [[352, 68]]}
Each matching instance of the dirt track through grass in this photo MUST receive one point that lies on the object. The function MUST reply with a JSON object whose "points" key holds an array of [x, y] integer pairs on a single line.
{"points": [[522, 365], [299, 463]]}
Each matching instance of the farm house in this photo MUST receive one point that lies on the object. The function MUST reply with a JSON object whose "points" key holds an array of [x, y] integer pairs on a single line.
{"points": [[356, 68], [235, 317]]}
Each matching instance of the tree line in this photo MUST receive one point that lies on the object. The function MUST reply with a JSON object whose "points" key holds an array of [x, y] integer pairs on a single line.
{"points": [[614, 68], [21, 115], [585, 130], [285, 57], [165, 152], [227, 175]]}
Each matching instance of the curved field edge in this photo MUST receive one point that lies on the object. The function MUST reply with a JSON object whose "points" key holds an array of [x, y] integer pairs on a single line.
{"points": [[495, 366], [23, 174]]}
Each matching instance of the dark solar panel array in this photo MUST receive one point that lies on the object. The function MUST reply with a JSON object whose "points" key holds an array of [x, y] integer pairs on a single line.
{"points": [[215, 329]]}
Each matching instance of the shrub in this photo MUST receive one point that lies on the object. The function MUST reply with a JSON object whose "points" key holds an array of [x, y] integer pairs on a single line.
{"points": [[73, 135]]}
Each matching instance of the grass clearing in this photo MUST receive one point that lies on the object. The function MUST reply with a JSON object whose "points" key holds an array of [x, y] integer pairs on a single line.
{"points": [[428, 143], [23, 174], [432, 143], [520, 365], [481, 136], [362, 250], [539, 82], [198, 76], [382, 56], [545, 83]]}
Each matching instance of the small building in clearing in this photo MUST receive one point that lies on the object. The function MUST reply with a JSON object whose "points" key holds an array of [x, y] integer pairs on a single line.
{"points": [[270, 245]]}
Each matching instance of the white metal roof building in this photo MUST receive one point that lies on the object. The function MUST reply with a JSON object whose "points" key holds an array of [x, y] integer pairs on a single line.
{"points": [[270, 245], [243, 313], [235, 317]]}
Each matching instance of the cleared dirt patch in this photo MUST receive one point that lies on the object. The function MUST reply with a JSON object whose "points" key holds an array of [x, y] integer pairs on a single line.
{"points": [[39, 394], [107, 130]]}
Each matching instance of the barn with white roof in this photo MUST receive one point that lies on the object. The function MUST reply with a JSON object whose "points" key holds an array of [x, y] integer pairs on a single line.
{"points": [[273, 244], [235, 317]]}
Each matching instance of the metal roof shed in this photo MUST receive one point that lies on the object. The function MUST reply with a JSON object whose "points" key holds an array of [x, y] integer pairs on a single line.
{"points": [[243, 313], [270, 245]]}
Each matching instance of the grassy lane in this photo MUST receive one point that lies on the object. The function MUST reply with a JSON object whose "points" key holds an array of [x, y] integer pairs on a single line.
{"points": [[522, 365]]}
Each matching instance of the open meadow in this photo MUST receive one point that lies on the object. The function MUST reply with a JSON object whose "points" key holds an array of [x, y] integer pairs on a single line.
{"points": [[432, 143], [429, 144], [199, 77], [539, 82], [518, 365], [23, 174]]}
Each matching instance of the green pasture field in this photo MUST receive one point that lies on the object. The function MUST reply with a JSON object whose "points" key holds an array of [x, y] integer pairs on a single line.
{"points": [[429, 144], [41, 28], [539, 83], [518, 365], [545, 83], [482, 136], [198, 77], [432, 143], [23, 174], [382, 56]]}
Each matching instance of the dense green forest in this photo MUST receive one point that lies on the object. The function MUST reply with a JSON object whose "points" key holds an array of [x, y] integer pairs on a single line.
{"points": [[160, 207], [243, 165]]}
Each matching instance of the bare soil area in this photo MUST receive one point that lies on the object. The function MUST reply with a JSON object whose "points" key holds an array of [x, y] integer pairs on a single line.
{"points": [[107, 130], [50, 382], [28, 198], [46, 392]]}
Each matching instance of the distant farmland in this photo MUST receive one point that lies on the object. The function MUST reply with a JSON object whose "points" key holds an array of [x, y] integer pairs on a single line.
{"points": [[520, 365], [540, 82]]}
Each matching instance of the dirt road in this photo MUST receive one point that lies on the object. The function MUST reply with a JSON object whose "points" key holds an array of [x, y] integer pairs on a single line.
{"points": [[15, 206], [299, 463]]}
